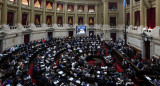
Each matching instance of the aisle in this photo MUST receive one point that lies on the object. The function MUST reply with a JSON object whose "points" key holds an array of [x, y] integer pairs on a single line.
{"points": [[30, 72]]}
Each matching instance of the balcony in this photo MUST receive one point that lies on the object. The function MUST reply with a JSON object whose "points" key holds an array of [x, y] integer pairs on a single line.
{"points": [[26, 26], [49, 9], [60, 25], [49, 25], [38, 8], [60, 11], [113, 27], [69, 25], [11, 2], [113, 11], [38, 26], [13, 27], [24, 5], [91, 26]]}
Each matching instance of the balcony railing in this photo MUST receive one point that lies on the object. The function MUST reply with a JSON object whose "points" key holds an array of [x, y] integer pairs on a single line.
{"points": [[38, 8], [60, 25], [26, 26], [23, 5], [113, 27], [149, 30], [112, 9], [49, 25], [91, 25], [11, 2], [37, 26], [134, 28], [69, 25], [13, 27], [49, 9]]}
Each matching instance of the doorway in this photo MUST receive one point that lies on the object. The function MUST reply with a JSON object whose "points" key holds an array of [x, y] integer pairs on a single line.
{"points": [[147, 50], [26, 38], [50, 34], [113, 36], [91, 33], [70, 33]]}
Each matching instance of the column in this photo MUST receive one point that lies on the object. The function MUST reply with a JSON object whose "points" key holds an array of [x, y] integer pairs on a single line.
{"points": [[55, 9], [4, 14], [105, 13], [19, 18], [124, 15], [157, 12], [65, 14], [85, 11], [142, 13], [76, 10], [32, 11], [44, 11], [106, 18], [96, 11], [131, 12]]}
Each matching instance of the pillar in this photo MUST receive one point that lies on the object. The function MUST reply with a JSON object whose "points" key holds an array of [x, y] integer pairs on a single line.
{"points": [[75, 10], [65, 13], [131, 12], [96, 11], [19, 18], [85, 11], [32, 11], [55, 11], [105, 13], [44, 11], [4, 14], [142, 14], [157, 12]]}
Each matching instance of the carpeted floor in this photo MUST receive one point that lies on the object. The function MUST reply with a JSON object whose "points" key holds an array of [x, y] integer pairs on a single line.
{"points": [[118, 68], [30, 72]]}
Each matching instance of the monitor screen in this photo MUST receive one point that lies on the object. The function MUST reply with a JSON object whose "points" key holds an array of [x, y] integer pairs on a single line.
{"points": [[81, 30]]}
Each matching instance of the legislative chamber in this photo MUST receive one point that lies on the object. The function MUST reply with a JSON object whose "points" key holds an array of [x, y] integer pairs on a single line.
{"points": [[79, 42]]}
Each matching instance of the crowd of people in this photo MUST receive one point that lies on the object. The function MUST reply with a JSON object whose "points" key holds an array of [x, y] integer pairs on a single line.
{"points": [[65, 61], [133, 57], [66, 64]]}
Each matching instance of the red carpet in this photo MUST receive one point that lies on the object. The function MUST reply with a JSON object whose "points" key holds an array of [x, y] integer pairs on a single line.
{"points": [[102, 64], [57, 62], [91, 62], [30, 72], [118, 68]]}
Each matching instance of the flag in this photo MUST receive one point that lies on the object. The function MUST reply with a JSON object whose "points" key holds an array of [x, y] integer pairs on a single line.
{"points": [[124, 3]]}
